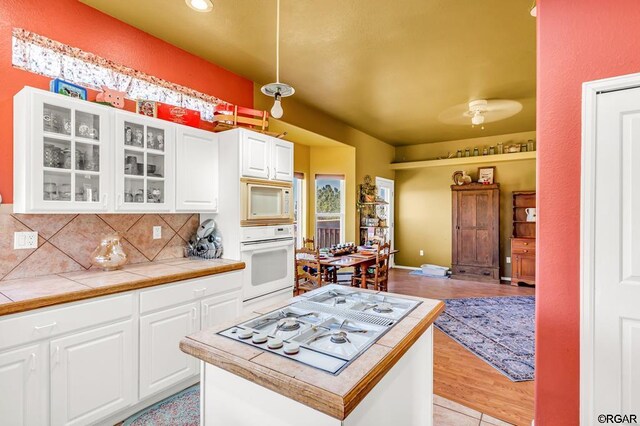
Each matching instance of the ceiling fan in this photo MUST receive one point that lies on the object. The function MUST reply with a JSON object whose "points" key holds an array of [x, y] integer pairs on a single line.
{"points": [[480, 111]]}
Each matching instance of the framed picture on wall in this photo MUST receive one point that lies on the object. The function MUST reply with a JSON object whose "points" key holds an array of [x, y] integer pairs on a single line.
{"points": [[486, 174]]}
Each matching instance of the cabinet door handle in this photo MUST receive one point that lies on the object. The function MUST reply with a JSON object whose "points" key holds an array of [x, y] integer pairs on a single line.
{"points": [[198, 291], [268, 172], [34, 364], [486, 273], [462, 271], [526, 251], [194, 315], [205, 310], [526, 244], [41, 327]]}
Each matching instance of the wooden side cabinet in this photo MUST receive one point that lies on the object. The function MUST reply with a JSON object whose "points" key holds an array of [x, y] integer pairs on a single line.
{"points": [[476, 232], [523, 241]]}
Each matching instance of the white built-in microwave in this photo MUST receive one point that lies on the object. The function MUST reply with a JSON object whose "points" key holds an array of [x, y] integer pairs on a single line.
{"points": [[266, 202]]}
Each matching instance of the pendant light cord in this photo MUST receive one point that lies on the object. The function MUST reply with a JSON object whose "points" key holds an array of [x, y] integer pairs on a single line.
{"points": [[277, 41]]}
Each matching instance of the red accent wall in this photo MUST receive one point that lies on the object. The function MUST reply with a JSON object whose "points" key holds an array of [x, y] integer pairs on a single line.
{"points": [[578, 41], [76, 24]]}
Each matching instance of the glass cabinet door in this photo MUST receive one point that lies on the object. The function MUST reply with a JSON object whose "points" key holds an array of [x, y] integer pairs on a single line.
{"points": [[69, 154], [143, 163]]}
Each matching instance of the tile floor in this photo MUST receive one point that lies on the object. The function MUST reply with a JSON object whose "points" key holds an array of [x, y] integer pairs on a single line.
{"points": [[449, 413]]}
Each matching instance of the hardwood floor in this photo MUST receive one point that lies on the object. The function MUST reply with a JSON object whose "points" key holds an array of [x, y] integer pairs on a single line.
{"points": [[459, 375]]}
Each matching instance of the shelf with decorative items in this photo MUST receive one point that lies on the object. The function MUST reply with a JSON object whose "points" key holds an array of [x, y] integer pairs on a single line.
{"points": [[373, 213], [523, 239], [517, 156]]}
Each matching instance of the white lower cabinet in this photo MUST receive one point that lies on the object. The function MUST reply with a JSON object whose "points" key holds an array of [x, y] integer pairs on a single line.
{"points": [[92, 374], [162, 363], [23, 384], [218, 309]]}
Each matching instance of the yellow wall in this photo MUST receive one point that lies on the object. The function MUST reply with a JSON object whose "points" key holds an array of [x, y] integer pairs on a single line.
{"points": [[335, 160], [373, 156], [423, 200]]}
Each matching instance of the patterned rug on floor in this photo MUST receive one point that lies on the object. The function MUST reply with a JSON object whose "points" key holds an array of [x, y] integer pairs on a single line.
{"points": [[500, 330], [181, 409]]}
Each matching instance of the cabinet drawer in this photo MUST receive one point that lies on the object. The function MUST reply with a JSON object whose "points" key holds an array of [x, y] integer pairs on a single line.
{"points": [[24, 328], [523, 246], [476, 270], [188, 290]]}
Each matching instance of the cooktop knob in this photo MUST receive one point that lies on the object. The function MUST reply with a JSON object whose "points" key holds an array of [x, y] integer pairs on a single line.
{"points": [[275, 343], [291, 348], [245, 334], [259, 338]]}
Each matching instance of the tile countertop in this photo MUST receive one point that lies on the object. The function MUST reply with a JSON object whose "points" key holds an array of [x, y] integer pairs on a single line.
{"points": [[337, 395], [32, 293]]}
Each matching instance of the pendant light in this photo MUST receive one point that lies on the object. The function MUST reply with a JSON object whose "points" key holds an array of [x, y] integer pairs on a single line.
{"points": [[277, 90]]}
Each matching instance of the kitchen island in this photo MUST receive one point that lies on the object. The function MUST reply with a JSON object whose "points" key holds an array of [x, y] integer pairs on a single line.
{"points": [[256, 371]]}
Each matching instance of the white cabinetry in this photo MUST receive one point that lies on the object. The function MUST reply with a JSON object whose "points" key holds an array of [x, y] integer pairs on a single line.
{"points": [[61, 154], [90, 361], [282, 160], [218, 309], [92, 374], [144, 163], [162, 363], [74, 156], [196, 170], [23, 386], [265, 157]]}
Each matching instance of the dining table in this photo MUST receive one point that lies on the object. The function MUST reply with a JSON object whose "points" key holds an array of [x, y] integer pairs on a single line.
{"points": [[359, 261]]}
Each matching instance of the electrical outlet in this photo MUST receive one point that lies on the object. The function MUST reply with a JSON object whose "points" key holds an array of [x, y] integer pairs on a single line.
{"points": [[157, 232], [508, 259], [25, 240], [421, 252]]}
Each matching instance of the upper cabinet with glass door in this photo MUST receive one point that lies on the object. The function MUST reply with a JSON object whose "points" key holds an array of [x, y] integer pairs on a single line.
{"points": [[144, 163], [61, 154]]}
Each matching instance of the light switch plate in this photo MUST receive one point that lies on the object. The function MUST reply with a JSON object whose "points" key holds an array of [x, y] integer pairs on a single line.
{"points": [[25, 240], [421, 252], [157, 232], [508, 259]]}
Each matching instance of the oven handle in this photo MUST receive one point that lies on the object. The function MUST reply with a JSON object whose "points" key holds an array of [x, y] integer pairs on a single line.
{"points": [[259, 245]]}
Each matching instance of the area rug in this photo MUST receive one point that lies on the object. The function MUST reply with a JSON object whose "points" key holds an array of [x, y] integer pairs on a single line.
{"points": [[500, 330], [181, 409]]}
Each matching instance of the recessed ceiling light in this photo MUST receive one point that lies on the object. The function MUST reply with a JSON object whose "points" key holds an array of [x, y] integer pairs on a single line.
{"points": [[200, 5]]}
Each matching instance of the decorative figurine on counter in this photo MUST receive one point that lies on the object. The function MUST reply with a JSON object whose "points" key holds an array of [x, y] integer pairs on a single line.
{"points": [[111, 97], [109, 255]]}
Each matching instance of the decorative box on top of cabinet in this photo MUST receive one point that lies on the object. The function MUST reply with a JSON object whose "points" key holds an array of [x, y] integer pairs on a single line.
{"points": [[62, 149]]}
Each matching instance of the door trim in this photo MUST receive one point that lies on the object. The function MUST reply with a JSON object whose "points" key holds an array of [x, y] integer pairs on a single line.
{"points": [[590, 91], [392, 208]]}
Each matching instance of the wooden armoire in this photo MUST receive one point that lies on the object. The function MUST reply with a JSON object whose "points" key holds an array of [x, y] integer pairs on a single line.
{"points": [[476, 232]]}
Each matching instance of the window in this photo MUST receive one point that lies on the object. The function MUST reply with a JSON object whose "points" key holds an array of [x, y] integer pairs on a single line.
{"points": [[299, 216], [329, 210]]}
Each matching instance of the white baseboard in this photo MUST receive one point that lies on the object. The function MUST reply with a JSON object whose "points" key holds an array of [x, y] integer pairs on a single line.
{"points": [[413, 268], [505, 278]]}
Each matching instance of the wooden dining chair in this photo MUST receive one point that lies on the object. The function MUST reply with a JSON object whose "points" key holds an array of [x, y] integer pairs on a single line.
{"points": [[376, 275], [308, 243], [330, 273], [307, 271]]}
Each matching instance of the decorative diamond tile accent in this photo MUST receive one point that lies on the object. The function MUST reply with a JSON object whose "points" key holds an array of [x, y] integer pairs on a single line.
{"points": [[120, 222], [45, 224], [176, 221], [190, 227], [81, 237], [46, 260], [140, 235], [174, 249], [66, 241], [10, 258]]}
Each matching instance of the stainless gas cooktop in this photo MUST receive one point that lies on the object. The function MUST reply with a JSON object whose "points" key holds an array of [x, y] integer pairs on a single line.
{"points": [[327, 328]]}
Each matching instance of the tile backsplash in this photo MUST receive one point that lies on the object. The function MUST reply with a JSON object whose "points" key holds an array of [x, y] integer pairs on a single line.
{"points": [[66, 241]]}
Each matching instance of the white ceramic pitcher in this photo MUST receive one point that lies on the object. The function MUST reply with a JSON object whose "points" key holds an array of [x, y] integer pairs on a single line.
{"points": [[531, 214]]}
